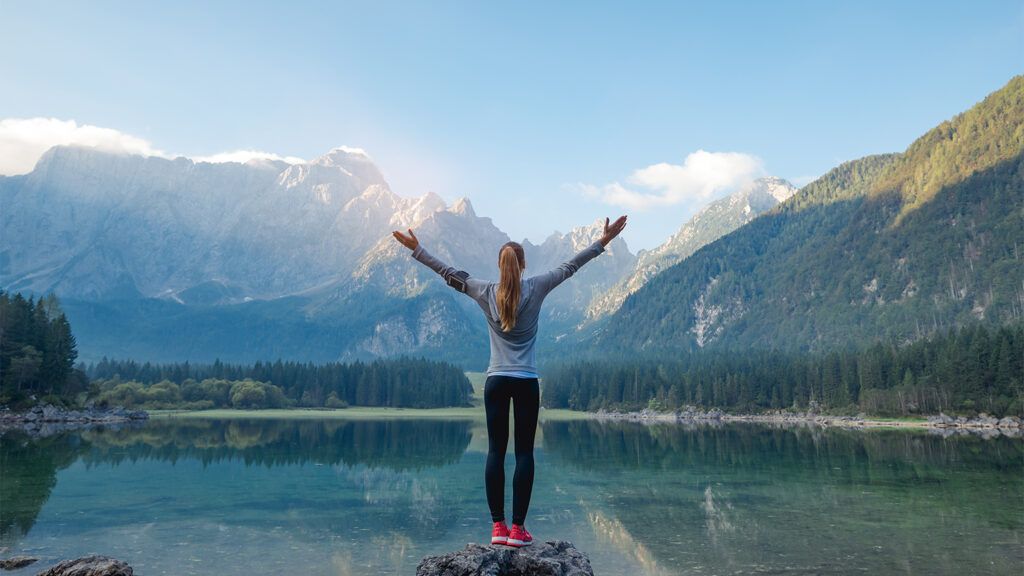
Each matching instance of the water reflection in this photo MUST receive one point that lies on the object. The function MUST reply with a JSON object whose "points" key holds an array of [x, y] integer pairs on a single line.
{"points": [[392, 444], [839, 454], [373, 497], [375, 454], [750, 498], [28, 472]]}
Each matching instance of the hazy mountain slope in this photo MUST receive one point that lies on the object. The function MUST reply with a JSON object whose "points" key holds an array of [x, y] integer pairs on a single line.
{"points": [[859, 254], [92, 225], [710, 223]]}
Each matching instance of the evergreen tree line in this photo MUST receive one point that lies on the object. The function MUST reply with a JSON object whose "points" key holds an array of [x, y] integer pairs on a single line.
{"points": [[962, 371], [400, 382], [37, 350]]}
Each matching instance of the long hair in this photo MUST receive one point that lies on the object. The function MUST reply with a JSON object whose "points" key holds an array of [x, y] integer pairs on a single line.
{"points": [[511, 262]]}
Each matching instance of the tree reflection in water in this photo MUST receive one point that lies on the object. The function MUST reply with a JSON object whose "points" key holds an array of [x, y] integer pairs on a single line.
{"points": [[375, 452], [683, 498]]}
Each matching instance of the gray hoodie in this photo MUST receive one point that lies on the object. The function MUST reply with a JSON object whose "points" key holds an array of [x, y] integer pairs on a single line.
{"points": [[513, 351]]}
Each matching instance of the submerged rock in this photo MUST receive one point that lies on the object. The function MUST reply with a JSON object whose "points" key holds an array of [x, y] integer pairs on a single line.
{"points": [[552, 558], [15, 562], [90, 566]]}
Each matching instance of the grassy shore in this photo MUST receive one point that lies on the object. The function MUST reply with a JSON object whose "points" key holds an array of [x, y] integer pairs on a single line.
{"points": [[359, 413], [473, 412]]}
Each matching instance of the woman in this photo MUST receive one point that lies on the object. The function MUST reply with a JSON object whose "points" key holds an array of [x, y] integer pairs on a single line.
{"points": [[512, 307]]}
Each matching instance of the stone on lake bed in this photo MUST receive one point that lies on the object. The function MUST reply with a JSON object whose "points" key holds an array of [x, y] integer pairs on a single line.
{"points": [[90, 566], [15, 562], [551, 558]]}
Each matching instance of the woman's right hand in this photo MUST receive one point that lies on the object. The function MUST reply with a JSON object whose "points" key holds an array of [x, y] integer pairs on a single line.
{"points": [[611, 230], [410, 241]]}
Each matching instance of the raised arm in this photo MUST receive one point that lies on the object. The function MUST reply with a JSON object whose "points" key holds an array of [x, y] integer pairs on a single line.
{"points": [[457, 279], [549, 280]]}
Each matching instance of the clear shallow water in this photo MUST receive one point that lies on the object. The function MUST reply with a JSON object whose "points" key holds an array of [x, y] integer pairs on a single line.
{"points": [[373, 497]]}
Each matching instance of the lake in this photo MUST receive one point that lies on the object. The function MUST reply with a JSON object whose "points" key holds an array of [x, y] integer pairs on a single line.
{"points": [[340, 497]]}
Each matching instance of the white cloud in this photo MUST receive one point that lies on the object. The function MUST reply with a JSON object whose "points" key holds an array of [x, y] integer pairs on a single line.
{"points": [[243, 156], [801, 181], [352, 150], [702, 177], [23, 141]]}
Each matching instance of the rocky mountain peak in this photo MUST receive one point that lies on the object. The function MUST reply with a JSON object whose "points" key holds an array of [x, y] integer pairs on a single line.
{"points": [[353, 162], [463, 207], [776, 187]]}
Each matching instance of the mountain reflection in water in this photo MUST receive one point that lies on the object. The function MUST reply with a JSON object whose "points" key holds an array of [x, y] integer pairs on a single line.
{"points": [[184, 496]]}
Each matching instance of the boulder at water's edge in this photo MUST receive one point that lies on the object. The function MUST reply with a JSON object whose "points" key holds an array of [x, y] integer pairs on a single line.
{"points": [[551, 558], [90, 566]]}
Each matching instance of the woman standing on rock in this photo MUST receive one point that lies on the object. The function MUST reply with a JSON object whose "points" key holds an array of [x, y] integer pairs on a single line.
{"points": [[512, 308]]}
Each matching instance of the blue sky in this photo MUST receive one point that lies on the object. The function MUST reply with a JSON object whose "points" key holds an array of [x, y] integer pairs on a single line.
{"points": [[535, 111]]}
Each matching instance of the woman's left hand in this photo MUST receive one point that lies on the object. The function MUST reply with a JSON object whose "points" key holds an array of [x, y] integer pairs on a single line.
{"points": [[611, 230], [410, 241]]}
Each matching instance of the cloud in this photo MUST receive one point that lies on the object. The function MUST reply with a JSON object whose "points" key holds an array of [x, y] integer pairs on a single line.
{"points": [[23, 141], [243, 156], [702, 177], [352, 150], [801, 181]]}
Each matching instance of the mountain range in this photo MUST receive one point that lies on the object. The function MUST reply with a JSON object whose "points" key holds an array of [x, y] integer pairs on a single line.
{"points": [[161, 259], [170, 260]]}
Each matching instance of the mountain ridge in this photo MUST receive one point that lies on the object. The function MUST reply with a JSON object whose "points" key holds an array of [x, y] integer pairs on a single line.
{"points": [[844, 262]]}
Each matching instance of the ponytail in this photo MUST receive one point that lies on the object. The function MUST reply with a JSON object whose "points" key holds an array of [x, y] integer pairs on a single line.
{"points": [[510, 267]]}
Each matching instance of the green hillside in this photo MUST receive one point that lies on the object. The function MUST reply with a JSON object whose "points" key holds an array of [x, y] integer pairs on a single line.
{"points": [[889, 248]]}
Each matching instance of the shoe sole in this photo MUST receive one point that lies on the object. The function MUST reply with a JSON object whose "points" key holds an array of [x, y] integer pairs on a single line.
{"points": [[499, 540], [519, 543]]}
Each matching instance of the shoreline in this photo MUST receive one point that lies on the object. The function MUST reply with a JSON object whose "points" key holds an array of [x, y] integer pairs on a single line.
{"points": [[1009, 425], [48, 419]]}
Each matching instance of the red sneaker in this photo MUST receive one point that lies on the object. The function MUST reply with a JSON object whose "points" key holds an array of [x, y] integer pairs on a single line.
{"points": [[499, 535], [519, 536]]}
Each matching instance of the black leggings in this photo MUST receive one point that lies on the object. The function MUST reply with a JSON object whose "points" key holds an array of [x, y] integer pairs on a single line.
{"points": [[524, 394]]}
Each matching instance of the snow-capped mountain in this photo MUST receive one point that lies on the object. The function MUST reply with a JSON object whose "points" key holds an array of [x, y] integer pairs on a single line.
{"points": [[172, 259], [310, 242], [710, 223], [95, 225]]}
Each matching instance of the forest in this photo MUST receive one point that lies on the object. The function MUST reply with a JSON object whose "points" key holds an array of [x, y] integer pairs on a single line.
{"points": [[398, 382], [37, 351], [37, 364], [967, 371]]}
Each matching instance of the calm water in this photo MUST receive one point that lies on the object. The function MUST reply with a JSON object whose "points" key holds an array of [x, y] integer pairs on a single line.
{"points": [[367, 497]]}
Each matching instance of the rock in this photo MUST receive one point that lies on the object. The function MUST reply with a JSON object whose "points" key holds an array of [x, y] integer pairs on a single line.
{"points": [[90, 566], [51, 413], [988, 421], [1009, 422], [15, 562], [552, 558]]}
